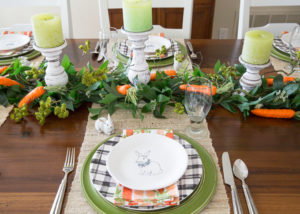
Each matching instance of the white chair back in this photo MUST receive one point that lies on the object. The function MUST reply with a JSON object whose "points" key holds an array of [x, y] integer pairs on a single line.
{"points": [[64, 6], [184, 32], [275, 28]]}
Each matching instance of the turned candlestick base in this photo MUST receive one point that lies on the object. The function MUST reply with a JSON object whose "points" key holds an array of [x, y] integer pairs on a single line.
{"points": [[251, 78], [55, 73], [139, 68]]}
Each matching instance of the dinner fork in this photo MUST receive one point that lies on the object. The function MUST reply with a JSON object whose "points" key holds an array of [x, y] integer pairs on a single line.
{"points": [[68, 167]]}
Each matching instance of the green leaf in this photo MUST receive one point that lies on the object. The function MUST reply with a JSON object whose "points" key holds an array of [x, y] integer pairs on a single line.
{"points": [[3, 99], [162, 98], [111, 89], [111, 108], [13, 91], [148, 107], [38, 83], [240, 69], [228, 106], [291, 88], [239, 98], [104, 65], [90, 67], [217, 66], [94, 86], [66, 62], [278, 82], [296, 101], [157, 114], [148, 92], [243, 107], [109, 98], [254, 91], [68, 102], [95, 110], [197, 72]]}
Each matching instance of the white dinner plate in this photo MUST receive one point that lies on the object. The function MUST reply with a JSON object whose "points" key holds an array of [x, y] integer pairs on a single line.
{"points": [[10, 42], [147, 161], [286, 38], [156, 42]]}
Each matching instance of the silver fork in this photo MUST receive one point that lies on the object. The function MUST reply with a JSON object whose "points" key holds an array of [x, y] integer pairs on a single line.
{"points": [[68, 167]]}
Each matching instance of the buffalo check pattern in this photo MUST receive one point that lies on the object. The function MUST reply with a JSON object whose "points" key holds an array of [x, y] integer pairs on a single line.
{"points": [[106, 186], [124, 49]]}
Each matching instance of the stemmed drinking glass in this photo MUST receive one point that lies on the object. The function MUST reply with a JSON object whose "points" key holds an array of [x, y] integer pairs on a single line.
{"points": [[197, 102], [294, 46]]}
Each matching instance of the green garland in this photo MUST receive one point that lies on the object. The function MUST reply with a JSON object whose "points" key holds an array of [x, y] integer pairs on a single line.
{"points": [[99, 86]]}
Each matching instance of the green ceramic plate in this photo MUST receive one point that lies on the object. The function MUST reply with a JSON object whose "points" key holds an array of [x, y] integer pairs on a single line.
{"points": [[279, 55], [30, 55], [157, 63], [193, 204]]}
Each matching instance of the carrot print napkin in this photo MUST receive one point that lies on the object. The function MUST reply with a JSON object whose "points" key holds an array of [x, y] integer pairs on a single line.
{"points": [[168, 196], [26, 33]]}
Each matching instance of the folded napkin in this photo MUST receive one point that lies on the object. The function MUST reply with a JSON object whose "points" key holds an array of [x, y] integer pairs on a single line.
{"points": [[168, 196]]}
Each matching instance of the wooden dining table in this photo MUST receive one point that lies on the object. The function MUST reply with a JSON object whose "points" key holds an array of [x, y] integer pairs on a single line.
{"points": [[32, 156]]}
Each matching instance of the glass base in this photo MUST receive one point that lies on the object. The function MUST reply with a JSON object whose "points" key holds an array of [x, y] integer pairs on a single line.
{"points": [[196, 130]]}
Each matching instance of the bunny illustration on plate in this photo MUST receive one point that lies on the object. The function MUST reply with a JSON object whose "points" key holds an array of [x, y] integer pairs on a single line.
{"points": [[146, 165], [105, 125]]}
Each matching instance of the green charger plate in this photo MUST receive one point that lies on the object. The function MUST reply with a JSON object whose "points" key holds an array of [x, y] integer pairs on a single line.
{"points": [[30, 55], [156, 63], [198, 200]]}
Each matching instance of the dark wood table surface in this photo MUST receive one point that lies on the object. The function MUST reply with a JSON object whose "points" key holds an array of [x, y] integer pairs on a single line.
{"points": [[31, 157]]}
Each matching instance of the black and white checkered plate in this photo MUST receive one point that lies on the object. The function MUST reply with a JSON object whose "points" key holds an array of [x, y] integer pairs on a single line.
{"points": [[124, 49], [105, 185]]}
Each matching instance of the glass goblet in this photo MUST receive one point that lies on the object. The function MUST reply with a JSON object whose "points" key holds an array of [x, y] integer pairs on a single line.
{"points": [[197, 102], [294, 47]]}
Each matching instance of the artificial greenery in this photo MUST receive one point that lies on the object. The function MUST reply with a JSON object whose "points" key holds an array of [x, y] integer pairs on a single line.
{"points": [[99, 86]]}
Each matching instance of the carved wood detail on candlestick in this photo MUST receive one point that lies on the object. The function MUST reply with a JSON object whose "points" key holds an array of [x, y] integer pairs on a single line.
{"points": [[55, 73], [138, 67]]}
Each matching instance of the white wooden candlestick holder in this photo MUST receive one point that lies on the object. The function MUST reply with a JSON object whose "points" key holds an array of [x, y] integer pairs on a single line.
{"points": [[138, 67], [251, 78], [55, 73]]}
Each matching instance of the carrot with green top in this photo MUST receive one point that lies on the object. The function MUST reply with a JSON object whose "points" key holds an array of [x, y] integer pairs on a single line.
{"points": [[274, 113], [199, 88], [171, 73], [31, 96], [9, 82], [122, 89], [2, 69], [285, 80]]}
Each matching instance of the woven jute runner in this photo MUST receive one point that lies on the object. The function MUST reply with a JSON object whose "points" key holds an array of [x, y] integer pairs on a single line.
{"points": [[76, 203], [4, 112], [282, 65]]}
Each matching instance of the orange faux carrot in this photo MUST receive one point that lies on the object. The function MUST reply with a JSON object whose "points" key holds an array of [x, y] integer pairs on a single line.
{"points": [[31, 96], [162, 56], [2, 69], [9, 82], [274, 113], [122, 89], [171, 73], [285, 80], [199, 88]]}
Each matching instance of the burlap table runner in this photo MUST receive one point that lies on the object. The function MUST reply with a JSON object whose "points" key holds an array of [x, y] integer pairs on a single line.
{"points": [[4, 112], [282, 65], [76, 203]]}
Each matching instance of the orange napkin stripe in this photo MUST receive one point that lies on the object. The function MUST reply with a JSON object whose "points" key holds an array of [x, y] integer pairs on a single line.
{"points": [[26, 33]]}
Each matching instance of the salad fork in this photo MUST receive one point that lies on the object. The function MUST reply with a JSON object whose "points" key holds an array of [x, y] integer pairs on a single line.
{"points": [[68, 167]]}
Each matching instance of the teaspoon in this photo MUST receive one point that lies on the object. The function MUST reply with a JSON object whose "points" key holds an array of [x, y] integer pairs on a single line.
{"points": [[240, 170]]}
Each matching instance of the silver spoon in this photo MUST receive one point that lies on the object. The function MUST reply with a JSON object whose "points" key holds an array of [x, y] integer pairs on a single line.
{"points": [[193, 55], [240, 170]]}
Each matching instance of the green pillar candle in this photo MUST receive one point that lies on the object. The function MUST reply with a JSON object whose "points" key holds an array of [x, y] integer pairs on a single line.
{"points": [[257, 47], [47, 30], [137, 15]]}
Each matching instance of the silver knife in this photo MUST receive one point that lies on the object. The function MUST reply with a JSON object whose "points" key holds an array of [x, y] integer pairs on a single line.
{"points": [[228, 179]]}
